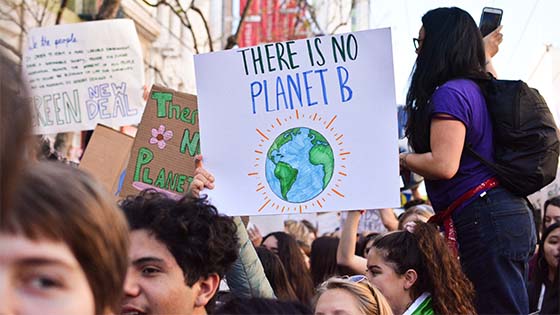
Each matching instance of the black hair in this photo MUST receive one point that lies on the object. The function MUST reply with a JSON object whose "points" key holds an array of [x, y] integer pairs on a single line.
{"points": [[452, 48], [554, 201], [262, 306], [292, 259], [276, 274], [323, 259], [540, 273], [201, 240], [362, 243]]}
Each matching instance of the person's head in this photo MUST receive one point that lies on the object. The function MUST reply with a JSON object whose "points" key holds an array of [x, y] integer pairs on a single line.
{"points": [[366, 243], [404, 264], [551, 212], [64, 245], [285, 246], [15, 128], [303, 231], [179, 252], [245, 306], [276, 274], [548, 255], [450, 47], [353, 295], [323, 259], [416, 213]]}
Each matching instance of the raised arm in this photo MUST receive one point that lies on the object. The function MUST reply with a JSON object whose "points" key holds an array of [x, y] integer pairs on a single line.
{"points": [[492, 43], [345, 253], [246, 278]]}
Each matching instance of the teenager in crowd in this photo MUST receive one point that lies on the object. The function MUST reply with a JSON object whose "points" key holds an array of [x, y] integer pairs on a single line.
{"points": [[364, 244], [543, 288], [551, 211], [64, 245], [350, 295], [179, 252], [285, 246], [446, 109], [276, 274], [415, 213], [417, 273]]}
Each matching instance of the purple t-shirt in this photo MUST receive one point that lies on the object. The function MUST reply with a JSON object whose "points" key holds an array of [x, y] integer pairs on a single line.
{"points": [[463, 100]]}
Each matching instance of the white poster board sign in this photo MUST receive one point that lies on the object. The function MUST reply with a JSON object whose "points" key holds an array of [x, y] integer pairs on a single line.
{"points": [[301, 126], [83, 74]]}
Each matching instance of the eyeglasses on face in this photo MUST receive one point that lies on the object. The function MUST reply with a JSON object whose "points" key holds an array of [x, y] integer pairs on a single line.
{"points": [[417, 42]]}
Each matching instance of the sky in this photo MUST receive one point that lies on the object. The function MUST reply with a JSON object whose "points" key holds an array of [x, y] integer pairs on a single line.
{"points": [[529, 25]]}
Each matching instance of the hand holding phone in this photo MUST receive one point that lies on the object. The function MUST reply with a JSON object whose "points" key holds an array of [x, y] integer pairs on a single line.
{"points": [[490, 19]]}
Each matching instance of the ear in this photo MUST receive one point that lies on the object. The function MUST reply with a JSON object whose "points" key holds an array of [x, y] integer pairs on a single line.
{"points": [[207, 289], [410, 277]]}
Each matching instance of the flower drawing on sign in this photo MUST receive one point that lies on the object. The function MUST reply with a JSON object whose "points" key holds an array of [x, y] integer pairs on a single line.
{"points": [[160, 136]]}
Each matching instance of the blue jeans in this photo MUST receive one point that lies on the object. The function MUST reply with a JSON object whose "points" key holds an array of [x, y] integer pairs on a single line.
{"points": [[496, 235]]}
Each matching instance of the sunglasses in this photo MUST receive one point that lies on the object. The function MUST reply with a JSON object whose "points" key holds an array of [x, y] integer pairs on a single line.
{"points": [[360, 279]]}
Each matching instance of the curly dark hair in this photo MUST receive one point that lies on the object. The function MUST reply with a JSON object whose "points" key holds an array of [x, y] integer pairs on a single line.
{"points": [[201, 240], [439, 272]]}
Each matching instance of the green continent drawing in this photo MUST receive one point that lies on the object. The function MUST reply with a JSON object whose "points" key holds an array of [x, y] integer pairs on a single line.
{"points": [[287, 176], [299, 165]]}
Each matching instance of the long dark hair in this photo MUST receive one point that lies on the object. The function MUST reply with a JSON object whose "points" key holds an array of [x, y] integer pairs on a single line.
{"points": [[276, 274], [292, 259], [323, 259], [540, 273], [452, 48], [439, 272]]}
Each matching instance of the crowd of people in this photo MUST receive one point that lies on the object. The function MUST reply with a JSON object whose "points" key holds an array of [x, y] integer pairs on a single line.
{"points": [[67, 247]]}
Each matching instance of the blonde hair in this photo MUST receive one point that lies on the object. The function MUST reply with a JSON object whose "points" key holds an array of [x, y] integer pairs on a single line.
{"points": [[370, 300]]}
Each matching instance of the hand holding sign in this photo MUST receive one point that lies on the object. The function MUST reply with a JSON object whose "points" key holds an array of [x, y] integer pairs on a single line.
{"points": [[202, 178]]}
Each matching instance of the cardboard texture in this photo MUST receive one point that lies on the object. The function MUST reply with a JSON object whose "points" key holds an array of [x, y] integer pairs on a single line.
{"points": [[167, 140], [106, 156]]}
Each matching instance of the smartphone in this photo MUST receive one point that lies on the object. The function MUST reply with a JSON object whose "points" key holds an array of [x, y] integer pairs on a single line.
{"points": [[490, 20]]}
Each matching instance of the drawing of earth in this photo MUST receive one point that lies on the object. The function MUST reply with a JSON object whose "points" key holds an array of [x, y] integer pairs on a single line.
{"points": [[299, 165]]}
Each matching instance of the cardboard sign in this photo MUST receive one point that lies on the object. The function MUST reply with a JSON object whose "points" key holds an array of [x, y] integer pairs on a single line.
{"points": [[301, 126], [83, 74], [106, 157], [167, 140]]}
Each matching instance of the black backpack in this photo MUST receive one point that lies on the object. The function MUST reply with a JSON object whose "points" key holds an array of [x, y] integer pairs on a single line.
{"points": [[525, 136]]}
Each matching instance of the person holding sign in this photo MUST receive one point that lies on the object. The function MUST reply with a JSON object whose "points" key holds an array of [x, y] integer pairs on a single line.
{"points": [[445, 111]]}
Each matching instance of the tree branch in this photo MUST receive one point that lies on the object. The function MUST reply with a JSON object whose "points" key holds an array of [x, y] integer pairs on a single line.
{"points": [[60, 10], [10, 48], [181, 13], [199, 12], [343, 23], [232, 40]]}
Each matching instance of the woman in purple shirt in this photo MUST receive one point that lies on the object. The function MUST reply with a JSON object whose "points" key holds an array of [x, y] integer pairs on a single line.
{"points": [[490, 227]]}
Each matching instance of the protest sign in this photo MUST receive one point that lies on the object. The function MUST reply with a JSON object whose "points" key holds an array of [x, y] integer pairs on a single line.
{"points": [[83, 74], [167, 140], [370, 221], [106, 157], [301, 126]]}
